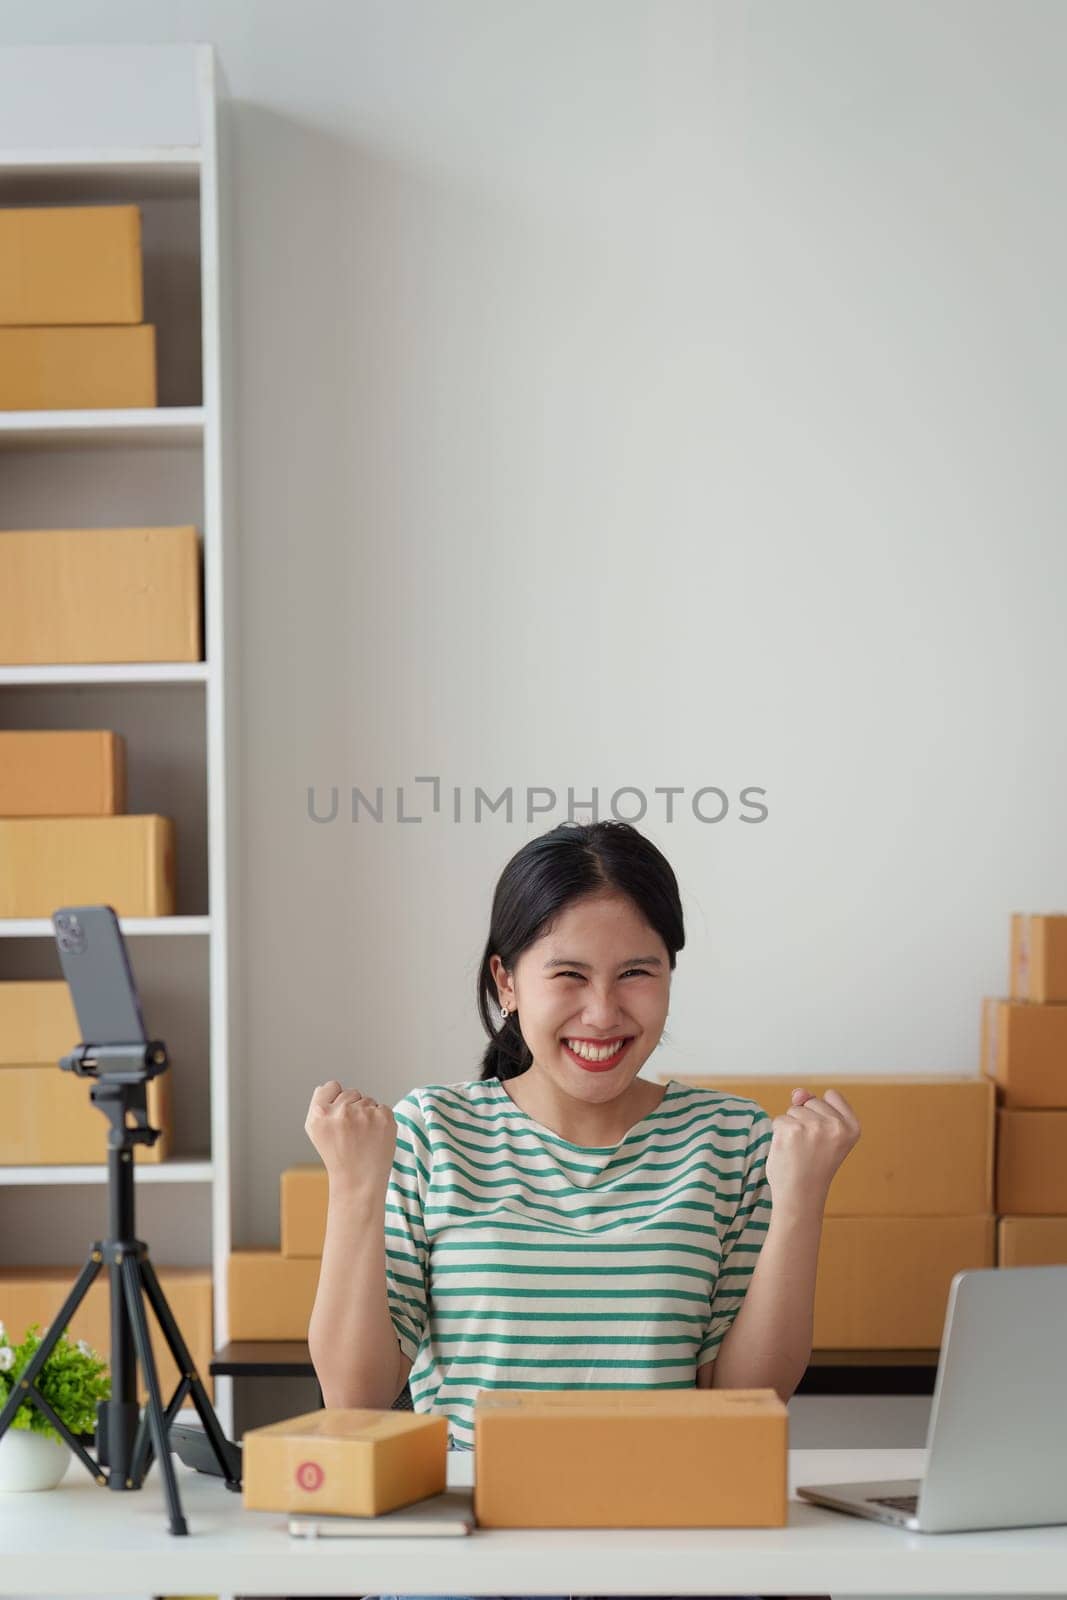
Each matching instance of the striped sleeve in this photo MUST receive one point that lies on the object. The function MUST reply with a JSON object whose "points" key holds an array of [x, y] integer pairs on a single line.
{"points": [[743, 1239], [406, 1253]]}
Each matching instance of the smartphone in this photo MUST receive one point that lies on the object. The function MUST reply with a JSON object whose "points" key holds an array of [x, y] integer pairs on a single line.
{"points": [[96, 965]]}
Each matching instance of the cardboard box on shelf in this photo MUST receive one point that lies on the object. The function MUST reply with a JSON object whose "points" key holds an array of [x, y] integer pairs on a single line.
{"points": [[125, 862], [37, 1022], [1024, 1050], [1032, 1242], [653, 1458], [357, 1463], [902, 1165], [78, 369], [90, 595], [1032, 1163], [882, 1282], [70, 265], [36, 1294], [49, 1119], [66, 773], [305, 1193], [270, 1297], [1039, 957]]}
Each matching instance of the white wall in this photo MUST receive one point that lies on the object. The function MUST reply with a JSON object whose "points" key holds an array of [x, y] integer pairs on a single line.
{"points": [[648, 394]]}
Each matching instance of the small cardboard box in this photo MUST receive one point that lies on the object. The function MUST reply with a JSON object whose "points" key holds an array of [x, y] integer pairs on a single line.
{"points": [[70, 264], [357, 1463], [305, 1194], [271, 1297], [902, 1166], [71, 773], [50, 1120], [1032, 1242], [35, 1294], [1032, 1163], [124, 862], [37, 1022], [88, 595], [882, 1282], [1039, 956], [77, 369], [623, 1458], [1024, 1050]]}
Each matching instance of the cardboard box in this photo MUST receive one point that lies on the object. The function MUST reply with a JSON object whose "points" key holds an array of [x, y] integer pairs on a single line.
{"points": [[1032, 1242], [89, 595], [902, 1165], [1032, 1163], [36, 1294], [77, 369], [623, 1458], [63, 774], [270, 1297], [70, 264], [305, 1194], [1039, 957], [357, 1463], [49, 1119], [124, 862], [37, 1022], [882, 1282], [1024, 1050]]}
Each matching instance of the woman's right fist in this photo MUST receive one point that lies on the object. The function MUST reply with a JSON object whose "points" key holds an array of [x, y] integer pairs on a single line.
{"points": [[355, 1137]]}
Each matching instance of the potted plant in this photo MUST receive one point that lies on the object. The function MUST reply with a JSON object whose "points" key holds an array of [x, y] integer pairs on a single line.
{"points": [[33, 1455]]}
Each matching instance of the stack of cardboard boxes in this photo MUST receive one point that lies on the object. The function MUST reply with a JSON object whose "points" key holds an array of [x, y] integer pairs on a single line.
{"points": [[1024, 1050], [271, 1292]]}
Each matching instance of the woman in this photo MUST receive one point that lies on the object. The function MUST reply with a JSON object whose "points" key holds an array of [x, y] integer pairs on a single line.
{"points": [[561, 1222]]}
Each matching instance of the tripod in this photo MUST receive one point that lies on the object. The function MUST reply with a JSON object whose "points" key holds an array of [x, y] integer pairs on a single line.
{"points": [[126, 1438]]}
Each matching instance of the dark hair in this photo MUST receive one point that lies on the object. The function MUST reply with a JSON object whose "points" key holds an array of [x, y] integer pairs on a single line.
{"points": [[567, 864]]}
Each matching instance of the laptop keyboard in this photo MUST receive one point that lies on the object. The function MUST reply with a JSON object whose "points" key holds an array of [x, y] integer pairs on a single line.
{"points": [[899, 1502]]}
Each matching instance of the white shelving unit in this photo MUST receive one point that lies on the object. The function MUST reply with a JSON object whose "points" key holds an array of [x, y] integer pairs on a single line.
{"points": [[119, 124]]}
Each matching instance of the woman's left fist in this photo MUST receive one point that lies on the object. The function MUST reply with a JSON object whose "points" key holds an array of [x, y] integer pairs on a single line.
{"points": [[809, 1143]]}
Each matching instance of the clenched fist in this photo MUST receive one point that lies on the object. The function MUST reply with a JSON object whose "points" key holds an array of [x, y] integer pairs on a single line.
{"points": [[355, 1137]]}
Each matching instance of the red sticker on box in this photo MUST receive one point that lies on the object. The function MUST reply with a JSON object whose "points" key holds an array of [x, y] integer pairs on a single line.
{"points": [[310, 1476]]}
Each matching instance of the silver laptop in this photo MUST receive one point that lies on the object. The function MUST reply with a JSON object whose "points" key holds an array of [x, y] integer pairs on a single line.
{"points": [[996, 1446]]}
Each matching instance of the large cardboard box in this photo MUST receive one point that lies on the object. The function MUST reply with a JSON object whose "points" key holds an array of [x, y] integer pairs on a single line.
{"points": [[882, 1282], [305, 1194], [270, 1297], [68, 773], [90, 595], [70, 264], [1039, 956], [1032, 1163], [1032, 1242], [124, 862], [50, 1120], [36, 1294], [77, 369], [37, 1022], [1024, 1050], [903, 1165], [357, 1463], [651, 1458]]}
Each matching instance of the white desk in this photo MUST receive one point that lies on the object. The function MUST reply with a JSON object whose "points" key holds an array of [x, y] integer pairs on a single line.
{"points": [[83, 1540]]}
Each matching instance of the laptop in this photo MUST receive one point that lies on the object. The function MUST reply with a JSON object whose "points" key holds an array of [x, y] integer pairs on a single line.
{"points": [[996, 1445]]}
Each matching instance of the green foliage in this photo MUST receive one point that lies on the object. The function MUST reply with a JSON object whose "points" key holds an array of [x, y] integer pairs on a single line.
{"points": [[72, 1380]]}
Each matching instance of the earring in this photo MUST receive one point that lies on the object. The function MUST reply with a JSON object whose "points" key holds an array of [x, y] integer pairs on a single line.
{"points": [[503, 1013]]}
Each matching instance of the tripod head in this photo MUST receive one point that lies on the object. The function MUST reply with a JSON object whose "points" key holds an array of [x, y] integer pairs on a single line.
{"points": [[121, 1072]]}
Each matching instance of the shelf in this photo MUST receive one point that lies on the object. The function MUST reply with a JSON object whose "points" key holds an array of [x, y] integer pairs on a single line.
{"points": [[41, 430], [189, 1171], [106, 672], [149, 173], [158, 927]]}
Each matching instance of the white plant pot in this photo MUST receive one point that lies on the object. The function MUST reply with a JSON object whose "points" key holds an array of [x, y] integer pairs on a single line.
{"points": [[31, 1461]]}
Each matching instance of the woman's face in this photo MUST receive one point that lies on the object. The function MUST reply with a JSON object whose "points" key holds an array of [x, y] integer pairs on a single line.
{"points": [[600, 979]]}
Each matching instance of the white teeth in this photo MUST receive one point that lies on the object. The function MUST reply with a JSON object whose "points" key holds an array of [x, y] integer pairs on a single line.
{"points": [[592, 1053]]}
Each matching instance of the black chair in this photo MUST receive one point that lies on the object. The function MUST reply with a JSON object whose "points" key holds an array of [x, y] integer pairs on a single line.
{"points": [[403, 1401]]}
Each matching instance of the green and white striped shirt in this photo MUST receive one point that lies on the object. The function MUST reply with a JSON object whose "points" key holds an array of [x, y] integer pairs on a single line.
{"points": [[517, 1260]]}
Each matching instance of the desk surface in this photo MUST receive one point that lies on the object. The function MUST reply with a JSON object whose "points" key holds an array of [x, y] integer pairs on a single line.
{"points": [[84, 1540]]}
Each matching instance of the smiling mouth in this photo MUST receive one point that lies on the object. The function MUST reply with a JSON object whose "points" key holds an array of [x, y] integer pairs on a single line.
{"points": [[597, 1055]]}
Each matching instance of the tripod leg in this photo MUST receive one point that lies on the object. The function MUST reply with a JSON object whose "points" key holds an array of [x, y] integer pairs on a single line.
{"points": [[225, 1453], [132, 1286]]}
